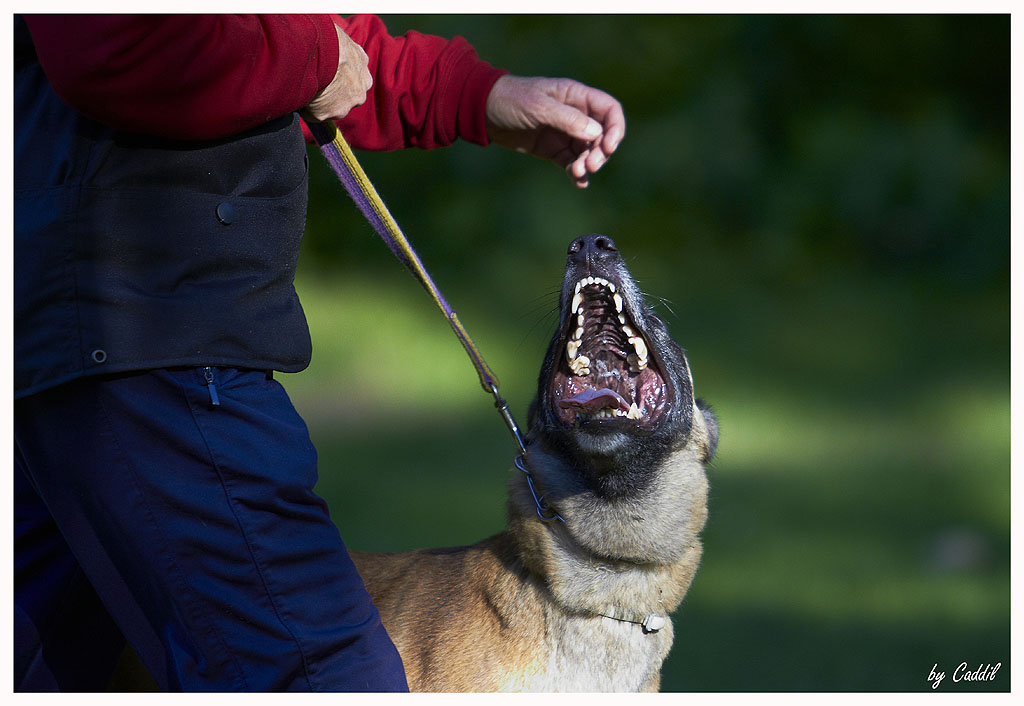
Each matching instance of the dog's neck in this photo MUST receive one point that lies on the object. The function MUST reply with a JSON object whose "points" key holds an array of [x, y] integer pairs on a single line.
{"points": [[626, 558]]}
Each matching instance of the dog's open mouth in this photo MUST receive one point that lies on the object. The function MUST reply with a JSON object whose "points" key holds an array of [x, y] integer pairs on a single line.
{"points": [[608, 373]]}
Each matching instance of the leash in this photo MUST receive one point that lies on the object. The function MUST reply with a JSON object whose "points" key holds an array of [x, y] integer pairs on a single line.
{"points": [[339, 155]]}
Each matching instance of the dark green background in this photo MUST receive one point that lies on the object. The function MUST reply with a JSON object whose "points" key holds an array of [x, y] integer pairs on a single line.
{"points": [[819, 207]]}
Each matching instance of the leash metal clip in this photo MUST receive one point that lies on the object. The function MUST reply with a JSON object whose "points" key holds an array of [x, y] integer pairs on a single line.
{"points": [[520, 461], [542, 509]]}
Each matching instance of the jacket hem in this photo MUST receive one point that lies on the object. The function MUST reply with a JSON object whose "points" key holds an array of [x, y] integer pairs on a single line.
{"points": [[241, 364]]}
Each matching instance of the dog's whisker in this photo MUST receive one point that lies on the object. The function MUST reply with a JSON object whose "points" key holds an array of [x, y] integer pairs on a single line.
{"points": [[545, 302], [667, 303], [547, 319]]}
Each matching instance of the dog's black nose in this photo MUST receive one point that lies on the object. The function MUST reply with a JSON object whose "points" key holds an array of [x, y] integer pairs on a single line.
{"points": [[591, 245]]}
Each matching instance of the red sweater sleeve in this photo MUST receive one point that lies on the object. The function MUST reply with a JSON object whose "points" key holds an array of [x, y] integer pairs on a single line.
{"points": [[186, 76], [427, 91], [210, 76]]}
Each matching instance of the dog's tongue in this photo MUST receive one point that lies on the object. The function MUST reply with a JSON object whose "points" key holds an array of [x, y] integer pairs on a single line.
{"points": [[595, 400]]}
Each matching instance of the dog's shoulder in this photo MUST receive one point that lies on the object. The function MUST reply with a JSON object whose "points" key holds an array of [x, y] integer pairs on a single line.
{"points": [[475, 604]]}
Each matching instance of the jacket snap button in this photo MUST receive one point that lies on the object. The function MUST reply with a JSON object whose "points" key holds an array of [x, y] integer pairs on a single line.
{"points": [[225, 213], [99, 355]]}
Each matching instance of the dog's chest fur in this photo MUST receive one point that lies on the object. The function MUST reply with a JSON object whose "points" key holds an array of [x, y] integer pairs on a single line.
{"points": [[585, 653], [526, 610]]}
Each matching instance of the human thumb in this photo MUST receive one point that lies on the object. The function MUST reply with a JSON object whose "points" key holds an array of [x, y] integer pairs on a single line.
{"points": [[573, 122]]}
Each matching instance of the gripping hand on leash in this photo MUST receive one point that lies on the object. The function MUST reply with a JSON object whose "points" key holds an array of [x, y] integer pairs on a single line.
{"points": [[573, 125], [349, 87]]}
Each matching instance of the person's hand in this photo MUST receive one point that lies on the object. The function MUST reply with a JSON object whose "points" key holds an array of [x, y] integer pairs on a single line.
{"points": [[575, 126], [347, 89]]}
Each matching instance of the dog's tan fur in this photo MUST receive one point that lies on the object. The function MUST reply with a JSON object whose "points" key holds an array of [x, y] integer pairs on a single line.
{"points": [[526, 610]]}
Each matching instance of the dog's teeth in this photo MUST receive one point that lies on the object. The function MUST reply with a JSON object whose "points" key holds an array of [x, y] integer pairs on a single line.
{"points": [[579, 365], [577, 300], [579, 333], [607, 413], [618, 301], [622, 318], [634, 412], [639, 346], [628, 330], [579, 319], [571, 348], [636, 363], [587, 281]]}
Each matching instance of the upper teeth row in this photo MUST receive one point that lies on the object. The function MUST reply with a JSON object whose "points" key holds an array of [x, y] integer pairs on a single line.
{"points": [[580, 364], [577, 299], [594, 280]]}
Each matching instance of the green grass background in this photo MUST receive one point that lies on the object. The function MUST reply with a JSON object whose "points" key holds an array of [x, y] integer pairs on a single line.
{"points": [[819, 208]]}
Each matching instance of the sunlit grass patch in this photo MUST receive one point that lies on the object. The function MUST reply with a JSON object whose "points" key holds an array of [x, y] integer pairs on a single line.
{"points": [[385, 351]]}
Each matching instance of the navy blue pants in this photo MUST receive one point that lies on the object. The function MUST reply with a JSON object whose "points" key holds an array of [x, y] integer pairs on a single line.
{"points": [[192, 530]]}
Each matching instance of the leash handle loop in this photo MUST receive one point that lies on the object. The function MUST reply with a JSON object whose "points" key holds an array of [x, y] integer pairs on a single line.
{"points": [[339, 155]]}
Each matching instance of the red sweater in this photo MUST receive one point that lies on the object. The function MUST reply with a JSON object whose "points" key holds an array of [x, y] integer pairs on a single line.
{"points": [[195, 77]]}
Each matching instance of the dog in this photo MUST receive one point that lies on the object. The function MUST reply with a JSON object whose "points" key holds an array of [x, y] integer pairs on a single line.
{"points": [[604, 525]]}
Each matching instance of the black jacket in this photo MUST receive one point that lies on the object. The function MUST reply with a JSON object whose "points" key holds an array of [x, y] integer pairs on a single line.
{"points": [[134, 252]]}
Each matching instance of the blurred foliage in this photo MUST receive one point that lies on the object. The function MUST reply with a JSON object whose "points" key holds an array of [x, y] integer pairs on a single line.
{"points": [[819, 207]]}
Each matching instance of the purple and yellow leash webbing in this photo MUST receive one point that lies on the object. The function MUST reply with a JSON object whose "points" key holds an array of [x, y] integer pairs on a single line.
{"points": [[358, 185], [344, 163]]}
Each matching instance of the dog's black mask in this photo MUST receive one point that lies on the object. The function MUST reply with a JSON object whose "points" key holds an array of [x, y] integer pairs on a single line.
{"points": [[615, 395]]}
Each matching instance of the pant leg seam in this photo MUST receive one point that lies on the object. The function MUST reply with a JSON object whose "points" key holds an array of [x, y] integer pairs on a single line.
{"points": [[260, 570]]}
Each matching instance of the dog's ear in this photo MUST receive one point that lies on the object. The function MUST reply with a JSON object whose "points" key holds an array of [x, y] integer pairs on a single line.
{"points": [[711, 423]]}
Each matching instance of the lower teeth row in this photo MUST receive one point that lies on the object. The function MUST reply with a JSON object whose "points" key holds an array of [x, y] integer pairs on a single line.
{"points": [[612, 413]]}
